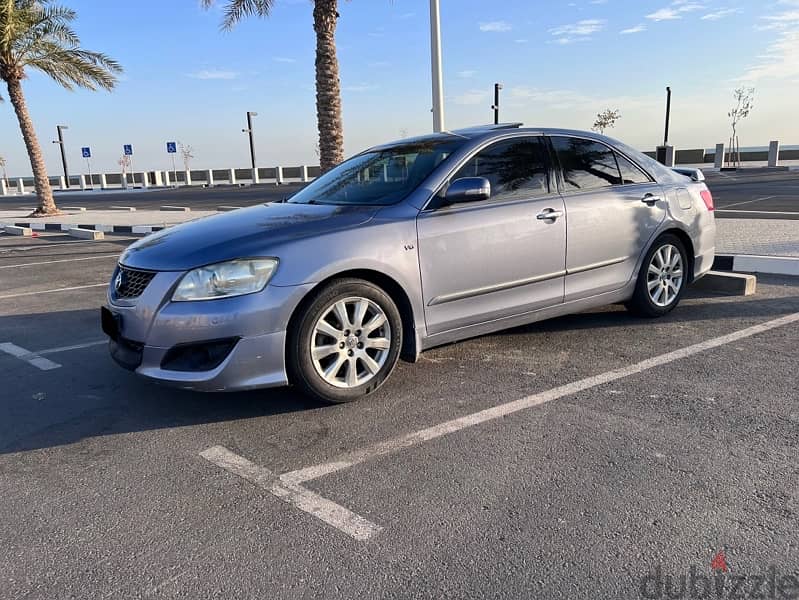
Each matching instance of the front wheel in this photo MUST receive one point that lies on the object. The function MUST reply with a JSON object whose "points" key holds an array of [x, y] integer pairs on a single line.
{"points": [[662, 278], [346, 343]]}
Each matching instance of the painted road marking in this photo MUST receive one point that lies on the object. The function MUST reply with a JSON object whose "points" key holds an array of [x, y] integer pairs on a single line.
{"points": [[756, 212], [29, 357], [326, 510], [288, 486], [66, 289], [748, 201], [68, 348], [50, 262]]}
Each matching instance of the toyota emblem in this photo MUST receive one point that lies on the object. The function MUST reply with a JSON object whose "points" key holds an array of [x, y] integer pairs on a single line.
{"points": [[119, 281]]}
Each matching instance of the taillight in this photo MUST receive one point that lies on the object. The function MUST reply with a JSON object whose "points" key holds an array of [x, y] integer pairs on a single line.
{"points": [[708, 199]]}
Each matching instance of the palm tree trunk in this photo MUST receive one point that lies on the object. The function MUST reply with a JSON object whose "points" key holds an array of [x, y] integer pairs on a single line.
{"points": [[328, 85], [43, 191]]}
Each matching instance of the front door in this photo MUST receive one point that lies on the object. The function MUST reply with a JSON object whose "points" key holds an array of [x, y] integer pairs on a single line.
{"points": [[613, 208], [495, 258]]}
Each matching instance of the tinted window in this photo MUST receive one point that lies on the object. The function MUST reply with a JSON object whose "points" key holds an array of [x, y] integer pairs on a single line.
{"points": [[516, 168], [586, 165], [630, 173], [378, 177]]}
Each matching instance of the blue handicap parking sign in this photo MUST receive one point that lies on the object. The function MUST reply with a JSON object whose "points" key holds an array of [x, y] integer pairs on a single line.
{"points": [[128, 149], [171, 147], [86, 152]]}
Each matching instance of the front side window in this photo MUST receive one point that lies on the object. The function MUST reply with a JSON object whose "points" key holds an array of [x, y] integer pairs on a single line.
{"points": [[586, 165], [380, 177], [516, 168]]}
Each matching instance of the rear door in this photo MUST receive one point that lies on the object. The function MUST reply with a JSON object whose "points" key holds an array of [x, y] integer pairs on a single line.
{"points": [[613, 210], [494, 258]]}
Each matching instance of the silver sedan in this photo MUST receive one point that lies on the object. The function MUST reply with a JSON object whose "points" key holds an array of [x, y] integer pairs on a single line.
{"points": [[404, 247]]}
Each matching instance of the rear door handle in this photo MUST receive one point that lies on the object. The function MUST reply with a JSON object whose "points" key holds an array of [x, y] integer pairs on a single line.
{"points": [[650, 199], [549, 214]]}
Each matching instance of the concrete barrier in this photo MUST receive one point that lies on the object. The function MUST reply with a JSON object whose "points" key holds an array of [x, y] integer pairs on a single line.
{"points": [[123, 208], [14, 230], [175, 208], [731, 284], [227, 208], [77, 208], [85, 234]]}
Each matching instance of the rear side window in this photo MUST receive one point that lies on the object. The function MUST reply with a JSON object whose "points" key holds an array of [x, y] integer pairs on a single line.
{"points": [[587, 165], [631, 173], [517, 168]]}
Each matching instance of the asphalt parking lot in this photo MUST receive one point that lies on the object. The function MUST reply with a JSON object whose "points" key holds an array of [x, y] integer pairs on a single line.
{"points": [[592, 456]]}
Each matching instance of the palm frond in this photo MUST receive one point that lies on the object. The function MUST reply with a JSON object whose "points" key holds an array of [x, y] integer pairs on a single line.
{"points": [[235, 11]]}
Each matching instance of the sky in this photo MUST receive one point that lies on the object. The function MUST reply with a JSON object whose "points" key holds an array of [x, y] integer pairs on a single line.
{"points": [[560, 63]]}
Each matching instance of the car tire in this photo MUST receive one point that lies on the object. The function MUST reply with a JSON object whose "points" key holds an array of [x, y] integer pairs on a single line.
{"points": [[337, 361], [664, 268]]}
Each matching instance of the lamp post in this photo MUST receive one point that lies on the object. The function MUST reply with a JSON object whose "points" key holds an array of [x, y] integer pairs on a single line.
{"points": [[435, 52], [495, 106], [60, 142], [668, 116], [249, 131]]}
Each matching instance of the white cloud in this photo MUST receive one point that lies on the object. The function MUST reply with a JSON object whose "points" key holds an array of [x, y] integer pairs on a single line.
{"points": [[213, 74], [720, 14], [675, 10], [580, 28], [466, 74], [521, 41], [781, 59], [361, 87], [284, 59], [497, 26], [471, 97], [637, 29]]}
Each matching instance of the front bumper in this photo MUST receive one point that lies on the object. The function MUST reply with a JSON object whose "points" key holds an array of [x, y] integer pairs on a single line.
{"points": [[151, 325]]}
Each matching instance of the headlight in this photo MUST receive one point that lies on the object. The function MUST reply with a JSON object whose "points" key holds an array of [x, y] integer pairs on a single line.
{"points": [[225, 279]]}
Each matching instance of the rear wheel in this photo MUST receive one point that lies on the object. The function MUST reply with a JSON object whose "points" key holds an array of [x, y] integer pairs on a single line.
{"points": [[662, 278], [346, 343]]}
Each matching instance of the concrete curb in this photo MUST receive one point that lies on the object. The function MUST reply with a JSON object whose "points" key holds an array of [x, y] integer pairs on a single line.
{"points": [[14, 230], [95, 227], [745, 263], [85, 234]]}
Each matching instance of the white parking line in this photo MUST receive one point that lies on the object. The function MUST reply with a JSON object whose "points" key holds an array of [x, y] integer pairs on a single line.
{"points": [[749, 201], [68, 348], [288, 486], [29, 357], [756, 212], [326, 510], [51, 262], [66, 289]]}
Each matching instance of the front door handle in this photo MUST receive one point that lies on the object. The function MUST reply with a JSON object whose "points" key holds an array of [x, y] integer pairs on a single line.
{"points": [[549, 214], [650, 199]]}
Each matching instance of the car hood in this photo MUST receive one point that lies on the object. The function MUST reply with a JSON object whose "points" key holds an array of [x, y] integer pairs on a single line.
{"points": [[247, 232]]}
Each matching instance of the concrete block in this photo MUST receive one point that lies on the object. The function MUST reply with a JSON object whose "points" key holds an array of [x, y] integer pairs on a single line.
{"points": [[175, 208], [167, 182], [279, 175], [210, 178], [123, 208], [20, 186], [62, 183], [773, 265], [232, 177], [3, 188], [145, 179], [83, 182], [158, 179], [14, 230], [103, 182], [304, 173], [731, 284], [671, 156], [227, 208], [77, 208], [718, 160], [774, 154], [188, 177], [255, 176], [86, 234]]}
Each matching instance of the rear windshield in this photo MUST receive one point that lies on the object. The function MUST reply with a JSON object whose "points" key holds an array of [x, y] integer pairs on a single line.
{"points": [[379, 177]]}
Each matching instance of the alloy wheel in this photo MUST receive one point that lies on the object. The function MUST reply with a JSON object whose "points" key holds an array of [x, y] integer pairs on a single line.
{"points": [[665, 275]]}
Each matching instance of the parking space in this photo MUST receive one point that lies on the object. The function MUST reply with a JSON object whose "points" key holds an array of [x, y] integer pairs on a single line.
{"points": [[570, 458]]}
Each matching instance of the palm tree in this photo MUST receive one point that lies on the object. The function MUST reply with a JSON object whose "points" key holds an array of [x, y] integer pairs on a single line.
{"points": [[36, 34], [328, 85]]}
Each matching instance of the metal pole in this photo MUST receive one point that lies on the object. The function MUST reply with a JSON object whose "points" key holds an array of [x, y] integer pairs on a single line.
{"points": [[174, 170], [435, 51], [495, 106], [249, 131], [60, 142], [668, 116]]}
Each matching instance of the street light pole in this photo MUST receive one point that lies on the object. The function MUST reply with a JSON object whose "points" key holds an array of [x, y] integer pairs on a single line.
{"points": [[668, 116], [249, 131], [60, 142], [435, 51], [495, 106]]}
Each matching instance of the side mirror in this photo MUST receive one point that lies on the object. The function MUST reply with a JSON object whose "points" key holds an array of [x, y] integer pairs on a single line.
{"points": [[468, 189]]}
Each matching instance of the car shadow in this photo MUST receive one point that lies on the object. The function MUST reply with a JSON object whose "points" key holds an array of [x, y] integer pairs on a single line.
{"points": [[90, 396]]}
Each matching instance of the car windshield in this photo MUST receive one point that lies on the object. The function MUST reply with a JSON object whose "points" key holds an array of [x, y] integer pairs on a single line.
{"points": [[379, 177]]}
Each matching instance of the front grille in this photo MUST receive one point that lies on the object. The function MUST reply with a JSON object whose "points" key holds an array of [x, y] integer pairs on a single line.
{"points": [[130, 283]]}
